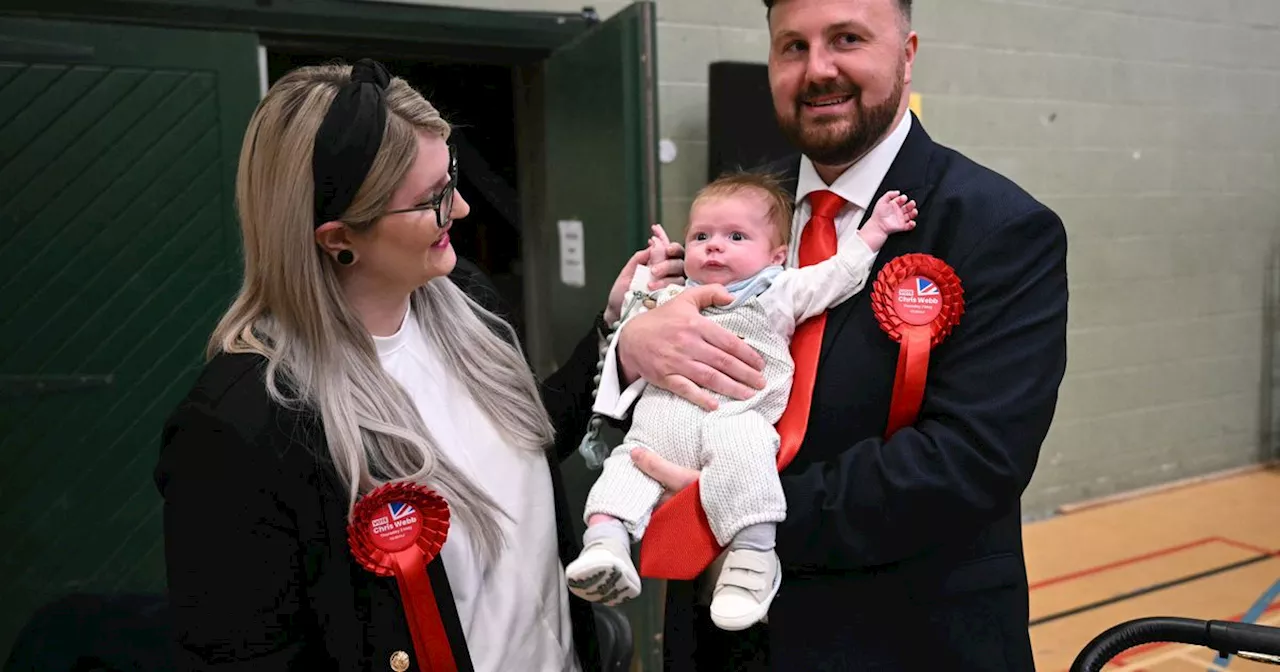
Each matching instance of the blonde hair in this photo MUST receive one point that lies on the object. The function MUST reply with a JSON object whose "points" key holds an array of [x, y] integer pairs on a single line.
{"points": [[292, 311], [765, 185]]}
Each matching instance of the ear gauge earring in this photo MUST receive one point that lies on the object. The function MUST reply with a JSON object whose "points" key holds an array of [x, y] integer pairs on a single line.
{"points": [[346, 257]]}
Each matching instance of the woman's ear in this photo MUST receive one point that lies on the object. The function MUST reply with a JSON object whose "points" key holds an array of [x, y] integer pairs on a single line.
{"points": [[333, 238]]}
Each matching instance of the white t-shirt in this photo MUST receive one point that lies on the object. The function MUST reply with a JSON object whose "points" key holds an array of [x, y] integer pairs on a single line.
{"points": [[515, 615]]}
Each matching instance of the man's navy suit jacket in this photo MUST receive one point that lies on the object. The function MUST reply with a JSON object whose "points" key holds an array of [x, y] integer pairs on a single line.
{"points": [[907, 554]]}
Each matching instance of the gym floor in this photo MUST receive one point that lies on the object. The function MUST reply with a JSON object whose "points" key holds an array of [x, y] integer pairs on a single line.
{"points": [[1208, 550]]}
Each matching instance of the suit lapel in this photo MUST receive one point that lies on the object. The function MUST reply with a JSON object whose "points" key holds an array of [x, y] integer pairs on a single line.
{"points": [[909, 173]]}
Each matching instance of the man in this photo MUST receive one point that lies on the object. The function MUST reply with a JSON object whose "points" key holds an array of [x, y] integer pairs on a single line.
{"points": [[902, 553]]}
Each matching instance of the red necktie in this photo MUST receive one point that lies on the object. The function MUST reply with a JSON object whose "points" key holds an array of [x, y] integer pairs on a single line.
{"points": [[678, 543]]}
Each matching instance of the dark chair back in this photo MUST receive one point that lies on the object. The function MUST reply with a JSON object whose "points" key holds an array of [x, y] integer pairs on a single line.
{"points": [[614, 632]]}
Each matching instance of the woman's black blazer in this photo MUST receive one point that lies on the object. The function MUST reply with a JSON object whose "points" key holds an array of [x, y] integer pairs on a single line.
{"points": [[259, 573]]}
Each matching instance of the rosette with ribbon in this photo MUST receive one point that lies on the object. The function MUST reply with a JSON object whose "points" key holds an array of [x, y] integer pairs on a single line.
{"points": [[396, 530], [918, 300]]}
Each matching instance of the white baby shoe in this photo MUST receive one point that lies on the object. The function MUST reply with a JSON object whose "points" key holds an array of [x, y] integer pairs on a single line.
{"points": [[604, 573], [745, 588]]}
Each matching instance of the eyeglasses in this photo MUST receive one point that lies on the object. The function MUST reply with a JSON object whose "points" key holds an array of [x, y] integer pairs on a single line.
{"points": [[442, 204]]}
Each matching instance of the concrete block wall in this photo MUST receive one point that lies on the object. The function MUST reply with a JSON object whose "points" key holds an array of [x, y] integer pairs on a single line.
{"points": [[1153, 128]]}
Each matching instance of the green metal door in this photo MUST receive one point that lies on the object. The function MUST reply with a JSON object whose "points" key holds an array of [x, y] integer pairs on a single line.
{"points": [[601, 163], [602, 195], [118, 147]]}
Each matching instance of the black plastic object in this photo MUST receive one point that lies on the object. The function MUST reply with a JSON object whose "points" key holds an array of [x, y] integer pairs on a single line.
{"points": [[1256, 642], [613, 631]]}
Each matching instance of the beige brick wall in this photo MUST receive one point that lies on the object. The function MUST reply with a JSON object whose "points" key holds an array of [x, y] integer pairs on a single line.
{"points": [[1153, 128], [691, 35]]}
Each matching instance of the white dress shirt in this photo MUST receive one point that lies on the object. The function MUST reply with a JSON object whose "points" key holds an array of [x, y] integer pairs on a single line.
{"points": [[857, 186]]}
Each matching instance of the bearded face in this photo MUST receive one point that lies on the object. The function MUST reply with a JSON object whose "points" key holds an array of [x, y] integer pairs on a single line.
{"points": [[838, 70], [835, 122]]}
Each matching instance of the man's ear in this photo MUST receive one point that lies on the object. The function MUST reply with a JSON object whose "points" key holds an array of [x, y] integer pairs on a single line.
{"points": [[333, 237], [912, 43]]}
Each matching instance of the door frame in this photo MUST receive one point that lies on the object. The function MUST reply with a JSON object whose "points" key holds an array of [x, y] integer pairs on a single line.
{"points": [[517, 36], [539, 227], [519, 39]]}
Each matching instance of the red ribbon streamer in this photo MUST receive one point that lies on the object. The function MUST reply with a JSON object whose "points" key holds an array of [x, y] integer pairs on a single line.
{"points": [[430, 641], [918, 300], [908, 383], [403, 548]]}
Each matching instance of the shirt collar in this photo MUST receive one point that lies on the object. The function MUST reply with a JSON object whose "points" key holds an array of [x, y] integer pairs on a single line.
{"points": [[858, 184]]}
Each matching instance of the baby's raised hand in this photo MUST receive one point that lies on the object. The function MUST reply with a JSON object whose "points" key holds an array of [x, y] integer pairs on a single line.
{"points": [[894, 213], [658, 243]]}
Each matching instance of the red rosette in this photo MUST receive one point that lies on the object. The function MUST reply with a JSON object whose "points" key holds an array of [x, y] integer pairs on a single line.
{"points": [[393, 518], [918, 300], [396, 530]]}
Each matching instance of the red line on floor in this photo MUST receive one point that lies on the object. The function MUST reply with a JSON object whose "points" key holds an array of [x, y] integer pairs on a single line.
{"points": [[1089, 571], [1247, 547], [1160, 552]]}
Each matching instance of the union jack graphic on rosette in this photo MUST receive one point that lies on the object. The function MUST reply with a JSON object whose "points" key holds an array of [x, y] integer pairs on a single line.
{"points": [[918, 300], [397, 530]]}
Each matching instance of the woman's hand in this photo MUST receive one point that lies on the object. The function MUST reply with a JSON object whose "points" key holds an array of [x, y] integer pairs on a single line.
{"points": [[672, 478], [665, 260]]}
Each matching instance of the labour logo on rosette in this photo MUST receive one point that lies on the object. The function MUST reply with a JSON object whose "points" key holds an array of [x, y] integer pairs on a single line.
{"points": [[399, 510], [397, 530], [918, 300]]}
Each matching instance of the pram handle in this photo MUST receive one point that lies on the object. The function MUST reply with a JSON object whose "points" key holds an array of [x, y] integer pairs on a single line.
{"points": [[1255, 642]]}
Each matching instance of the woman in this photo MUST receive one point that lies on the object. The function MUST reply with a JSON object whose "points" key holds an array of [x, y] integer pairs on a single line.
{"points": [[361, 351]]}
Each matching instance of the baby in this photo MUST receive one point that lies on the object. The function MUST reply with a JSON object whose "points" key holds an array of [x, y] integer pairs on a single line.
{"points": [[737, 236]]}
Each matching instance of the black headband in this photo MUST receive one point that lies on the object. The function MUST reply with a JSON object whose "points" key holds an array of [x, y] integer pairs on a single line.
{"points": [[348, 139]]}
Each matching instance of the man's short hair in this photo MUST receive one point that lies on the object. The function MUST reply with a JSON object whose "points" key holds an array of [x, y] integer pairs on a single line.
{"points": [[766, 185], [904, 6]]}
